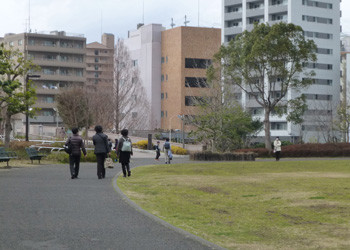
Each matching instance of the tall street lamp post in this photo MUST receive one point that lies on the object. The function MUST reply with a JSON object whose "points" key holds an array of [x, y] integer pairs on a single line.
{"points": [[27, 106], [182, 129]]}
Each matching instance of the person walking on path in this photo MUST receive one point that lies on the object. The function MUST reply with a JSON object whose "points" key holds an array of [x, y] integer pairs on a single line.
{"points": [[100, 141], [167, 149], [77, 145], [157, 150], [277, 148], [124, 151]]}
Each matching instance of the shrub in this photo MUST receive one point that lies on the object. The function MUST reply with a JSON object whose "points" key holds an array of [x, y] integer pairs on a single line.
{"points": [[210, 156], [178, 150], [63, 157], [141, 144]]}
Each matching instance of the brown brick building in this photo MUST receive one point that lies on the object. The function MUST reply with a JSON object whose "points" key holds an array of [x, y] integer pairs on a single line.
{"points": [[186, 53], [99, 62]]}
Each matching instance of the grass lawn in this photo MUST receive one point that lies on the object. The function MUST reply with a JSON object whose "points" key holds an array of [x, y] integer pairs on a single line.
{"points": [[251, 205]]}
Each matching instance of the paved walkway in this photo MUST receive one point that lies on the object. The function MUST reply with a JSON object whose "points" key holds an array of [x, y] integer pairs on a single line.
{"points": [[42, 208]]}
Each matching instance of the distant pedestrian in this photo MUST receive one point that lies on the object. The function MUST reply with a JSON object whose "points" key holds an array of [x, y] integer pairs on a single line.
{"points": [[167, 150], [76, 144], [277, 148], [110, 144], [102, 149], [124, 151], [157, 148]]}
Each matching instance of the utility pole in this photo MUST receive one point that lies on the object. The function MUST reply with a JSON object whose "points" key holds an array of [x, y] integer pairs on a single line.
{"points": [[172, 23], [186, 21], [28, 77]]}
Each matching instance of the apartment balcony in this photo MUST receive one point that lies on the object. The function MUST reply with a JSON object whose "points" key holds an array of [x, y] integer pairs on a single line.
{"points": [[56, 49], [58, 63], [45, 105], [43, 119], [56, 77], [44, 91], [233, 30], [233, 16], [232, 2], [277, 9], [255, 12]]}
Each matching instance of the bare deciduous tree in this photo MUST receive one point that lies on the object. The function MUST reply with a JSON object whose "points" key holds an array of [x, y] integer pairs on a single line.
{"points": [[131, 107]]}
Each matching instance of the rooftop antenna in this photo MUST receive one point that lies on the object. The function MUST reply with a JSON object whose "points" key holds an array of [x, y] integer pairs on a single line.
{"points": [[186, 21], [101, 22], [29, 17], [143, 11], [198, 13], [172, 23]]}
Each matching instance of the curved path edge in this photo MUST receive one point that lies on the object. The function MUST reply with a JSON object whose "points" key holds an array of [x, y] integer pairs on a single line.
{"points": [[158, 220]]}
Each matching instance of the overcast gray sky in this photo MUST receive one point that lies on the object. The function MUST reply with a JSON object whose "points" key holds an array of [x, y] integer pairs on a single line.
{"points": [[118, 16]]}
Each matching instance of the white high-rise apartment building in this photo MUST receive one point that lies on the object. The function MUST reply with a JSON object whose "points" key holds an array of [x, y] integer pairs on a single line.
{"points": [[320, 20], [145, 48]]}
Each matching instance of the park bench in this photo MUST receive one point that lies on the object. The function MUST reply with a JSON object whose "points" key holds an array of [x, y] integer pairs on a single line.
{"points": [[34, 154], [6, 155]]}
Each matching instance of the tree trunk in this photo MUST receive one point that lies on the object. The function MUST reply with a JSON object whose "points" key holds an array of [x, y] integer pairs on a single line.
{"points": [[267, 130], [8, 128]]}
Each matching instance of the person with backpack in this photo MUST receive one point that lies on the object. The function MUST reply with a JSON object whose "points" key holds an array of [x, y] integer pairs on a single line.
{"points": [[124, 151], [102, 149], [167, 151], [75, 144], [157, 148]]}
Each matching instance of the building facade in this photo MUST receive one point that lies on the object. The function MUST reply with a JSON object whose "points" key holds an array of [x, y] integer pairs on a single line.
{"points": [[320, 21], [144, 45], [186, 53], [100, 61], [61, 57]]}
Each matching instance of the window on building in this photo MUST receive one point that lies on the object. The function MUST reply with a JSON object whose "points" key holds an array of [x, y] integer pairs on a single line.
{"points": [[166, 59], [196, 82], [96, 75], [135, 63], [31, 42], [318, 4], [20, 42], [96, 59], [278, 125], [315, 19], [64, 58], [49, 43], [162, 96], [162, 60], [233, 8], [194, 100], [194, 63], [64, 72], [162, 78], [162, 114], [318, 35], [96, 67], [96, 52], [324, 51], [48, 71]]}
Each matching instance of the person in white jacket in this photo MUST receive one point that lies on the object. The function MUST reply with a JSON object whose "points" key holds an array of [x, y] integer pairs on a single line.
{"points": [[277, 148]]}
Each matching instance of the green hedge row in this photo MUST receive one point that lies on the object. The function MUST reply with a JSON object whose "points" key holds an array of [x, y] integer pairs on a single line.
{"points": [[306, 150]]}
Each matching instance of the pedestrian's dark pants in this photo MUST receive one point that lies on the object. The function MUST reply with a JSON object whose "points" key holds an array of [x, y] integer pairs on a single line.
{"points": [[158, 154], [101, 171], [126, 169], [74, 161], [278, 155]]}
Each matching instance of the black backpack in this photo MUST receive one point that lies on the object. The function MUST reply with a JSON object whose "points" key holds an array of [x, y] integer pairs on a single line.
{"points": [[68, 147]]}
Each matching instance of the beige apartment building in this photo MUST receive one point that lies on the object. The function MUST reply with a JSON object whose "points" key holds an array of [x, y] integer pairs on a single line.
{"points": [[61, 57], [100, 61], [186, 53]]}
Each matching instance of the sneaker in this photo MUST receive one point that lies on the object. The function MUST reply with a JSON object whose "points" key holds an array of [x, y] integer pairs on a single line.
{"points": [[129, 173]]}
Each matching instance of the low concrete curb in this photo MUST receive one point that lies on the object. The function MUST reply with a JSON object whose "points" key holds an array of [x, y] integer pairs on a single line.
{"points": [[160, 221]]}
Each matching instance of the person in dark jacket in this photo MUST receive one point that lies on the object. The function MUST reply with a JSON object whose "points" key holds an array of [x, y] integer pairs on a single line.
{"points": [[100, 141], [77, 144], [124, 153]]}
